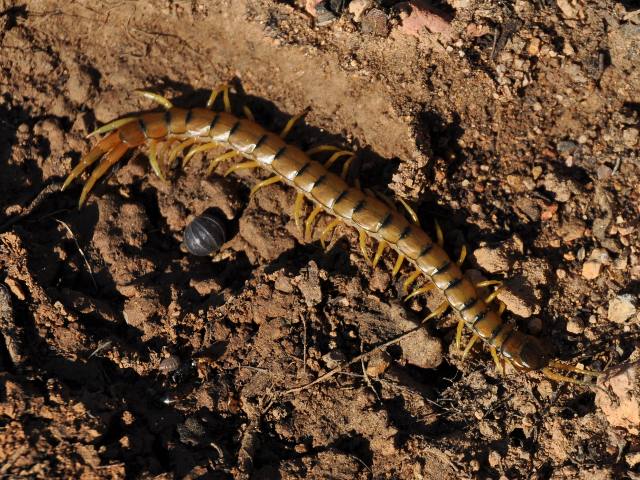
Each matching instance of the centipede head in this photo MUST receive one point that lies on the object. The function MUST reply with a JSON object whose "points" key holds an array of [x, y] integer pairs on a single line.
{"points": [[533, 355]]}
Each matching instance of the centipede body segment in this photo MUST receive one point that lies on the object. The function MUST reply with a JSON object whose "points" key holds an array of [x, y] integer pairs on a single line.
{"points": [[168, 133]]}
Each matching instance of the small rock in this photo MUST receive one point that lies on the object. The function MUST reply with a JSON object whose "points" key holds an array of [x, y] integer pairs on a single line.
{"points": [[357, 8], [169, 364], [324, 16], [333, 358], [416, 15], [571, 230], [622, 308], [568, 10], [283, 284], [623, 410], [630, 137], [558, 187], [567, 146], [575, 326], [500, 258], [378, 364], [591, 269], [422, 350], [518, 296], [309, 284], [375, 22]]}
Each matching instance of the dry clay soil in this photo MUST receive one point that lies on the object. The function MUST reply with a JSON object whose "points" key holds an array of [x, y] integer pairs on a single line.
{"points": [[124, 356]]}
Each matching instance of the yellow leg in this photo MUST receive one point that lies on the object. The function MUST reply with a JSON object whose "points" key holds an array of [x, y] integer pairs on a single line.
{"points": [[502, 308], [197, 149], [248, 113], [328, 229], [425, 288], [224, 89], [437, 312], [496, 359], [410, 211], [345, 169], [322, 148], [241, 166], [112, 126], [109, 159], [156, 98], [216, 161], [473, 340], [376, 258], [308, 225], [292, 121], [571, 368], [463, 255], [410, 279], [264, 183], [459, 333], [490, 298], [562, 378], [297, 209], [153, 159], [396, 267], [439, 234], [175, 151], [488, 283], [332, 159], [363, 245]]}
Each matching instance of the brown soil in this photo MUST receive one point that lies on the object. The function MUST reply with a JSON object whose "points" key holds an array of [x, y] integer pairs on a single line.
{"points": [[516, 128]]}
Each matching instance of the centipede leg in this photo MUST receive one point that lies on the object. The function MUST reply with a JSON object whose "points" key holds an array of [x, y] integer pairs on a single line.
{"points": [[292, 121], [498, 361], [110, 159], [308, 224], [340, 153], [411, 278], [216, 161], [345, 169], [322, 148], [425, 288], [459, 333], [380, 250], [437, 312], [396, 267], [439, 234], [491, 297], [224, 89], [242, 166], [473, 340], [328, 229], [106, 144], [297, 209], [197, 149], [563, 378], [175, 151], [165, 102], [264, 183], [153, 159], [363, 245], [463, 255], [412, 213], [502, 308], [248, 113]]}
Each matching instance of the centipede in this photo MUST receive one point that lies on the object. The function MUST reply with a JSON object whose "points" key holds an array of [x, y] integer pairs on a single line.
{"points": [[168, 133]]}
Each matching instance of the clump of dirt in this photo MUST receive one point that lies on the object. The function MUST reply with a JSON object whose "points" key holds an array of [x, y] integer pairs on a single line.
{"points": [[515, 125]]}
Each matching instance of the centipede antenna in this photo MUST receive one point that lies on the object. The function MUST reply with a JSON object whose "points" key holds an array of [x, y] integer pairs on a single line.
{"points": [[165, 102], [111, 126]]}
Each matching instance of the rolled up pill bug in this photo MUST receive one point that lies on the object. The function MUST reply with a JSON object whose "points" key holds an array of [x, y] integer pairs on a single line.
{"points": [[204, 235]]}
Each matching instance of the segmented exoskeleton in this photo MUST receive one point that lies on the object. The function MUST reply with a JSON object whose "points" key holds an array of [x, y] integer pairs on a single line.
{"points": [[202, 129]]}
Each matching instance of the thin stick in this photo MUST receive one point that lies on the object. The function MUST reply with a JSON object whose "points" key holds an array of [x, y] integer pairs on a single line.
{"points": [[343, 365], [80, 250]]}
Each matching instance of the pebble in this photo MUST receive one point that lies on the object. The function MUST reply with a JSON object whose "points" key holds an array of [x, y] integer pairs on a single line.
{"points": [[378, 364], [630, 137], [591, 268], [357, 8], [518, 297], [169, 364], [559, 188], [333, 358], [622, 308], [416, 15], [575, 326], [375, 22], [500, 258], [422, 350], [622, 407]]}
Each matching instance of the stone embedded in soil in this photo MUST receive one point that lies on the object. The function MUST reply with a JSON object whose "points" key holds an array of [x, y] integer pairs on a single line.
{"points": [[375, 22], [421, 349], [309, 284], [357, 8], [623, 410], [622, 308], [416, 15], [518, 296], [571, 230], [597, 258], [378, 364], [560, 188], [499, 258]]}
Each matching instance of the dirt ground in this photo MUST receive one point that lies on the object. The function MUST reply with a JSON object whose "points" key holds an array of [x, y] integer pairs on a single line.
{"points": [[515, 125]]}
